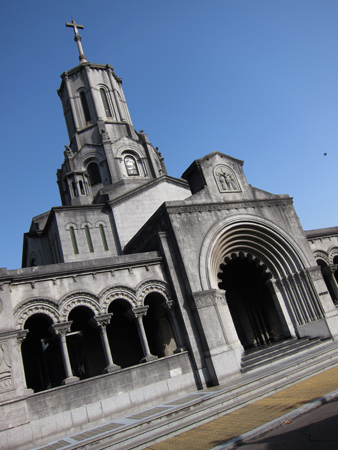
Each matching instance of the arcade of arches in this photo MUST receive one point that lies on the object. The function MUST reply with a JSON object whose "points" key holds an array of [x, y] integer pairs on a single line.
{"points": [[90, 344]]}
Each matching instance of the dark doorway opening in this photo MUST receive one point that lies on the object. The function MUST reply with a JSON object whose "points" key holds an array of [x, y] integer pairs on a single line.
{"points": [[158, 327], [123, 336], [250, 302], [84, 344], [41, 354]]}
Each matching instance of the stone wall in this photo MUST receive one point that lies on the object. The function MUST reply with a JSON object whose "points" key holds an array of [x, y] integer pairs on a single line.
{"points": [[68, 409]]}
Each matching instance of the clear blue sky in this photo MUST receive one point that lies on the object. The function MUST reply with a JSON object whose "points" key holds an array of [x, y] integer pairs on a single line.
{"points": [[255, 79]]}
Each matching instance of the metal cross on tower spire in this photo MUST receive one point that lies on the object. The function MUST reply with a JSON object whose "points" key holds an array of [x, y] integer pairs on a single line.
{"points": [[77, 39]]}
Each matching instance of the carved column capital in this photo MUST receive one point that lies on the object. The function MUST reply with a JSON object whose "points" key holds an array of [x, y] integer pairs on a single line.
{"points": [[103, 320], [137, 312], [61, 328]]}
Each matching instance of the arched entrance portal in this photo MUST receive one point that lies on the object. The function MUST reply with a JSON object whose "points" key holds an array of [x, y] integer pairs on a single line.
{"points": [[250, 302]]}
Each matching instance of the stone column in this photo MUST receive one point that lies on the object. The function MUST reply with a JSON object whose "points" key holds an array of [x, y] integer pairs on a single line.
{"points": [[102, 321], [137, 315], [176, 329], [21, 336], [61, 329]]}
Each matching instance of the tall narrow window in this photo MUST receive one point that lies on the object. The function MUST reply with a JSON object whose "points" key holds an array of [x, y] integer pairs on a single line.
{"points": [[85, 106], [73, 238], [131, 166], [81, 188], [89, 239], [74, 189], [94, 173], [103, 237], [105, 102]]}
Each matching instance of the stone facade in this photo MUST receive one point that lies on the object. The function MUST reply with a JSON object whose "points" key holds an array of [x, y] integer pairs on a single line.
{"points": [[142, 286]]}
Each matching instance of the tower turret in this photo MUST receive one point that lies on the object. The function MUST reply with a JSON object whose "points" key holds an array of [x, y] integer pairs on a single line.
{"points": [[104, 148]]}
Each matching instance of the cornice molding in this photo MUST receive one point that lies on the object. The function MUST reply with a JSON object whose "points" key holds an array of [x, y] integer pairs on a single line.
{"points": [[212, 206]]}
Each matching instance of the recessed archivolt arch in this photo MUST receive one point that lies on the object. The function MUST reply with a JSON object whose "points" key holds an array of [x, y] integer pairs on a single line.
{"points": [[250, 235], [320, 254], [93, 156], [247, 255], [153, 286], [35, 306], [75, 299], [117, 293], [129, 149], [333, 251]]}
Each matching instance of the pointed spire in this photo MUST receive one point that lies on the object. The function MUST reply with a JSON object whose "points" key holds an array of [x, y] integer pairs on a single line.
{"points": [[77, 39]]}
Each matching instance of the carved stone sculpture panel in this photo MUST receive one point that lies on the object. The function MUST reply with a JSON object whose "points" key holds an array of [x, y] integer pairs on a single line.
{"points": [[226, 179], [5, 367]]}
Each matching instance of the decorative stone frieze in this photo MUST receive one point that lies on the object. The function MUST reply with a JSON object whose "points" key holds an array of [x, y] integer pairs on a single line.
{"points": [[209, 298], [228, 206]]}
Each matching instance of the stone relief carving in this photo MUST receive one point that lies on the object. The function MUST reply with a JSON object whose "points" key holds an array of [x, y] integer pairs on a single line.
{"points": [[203, 302], [220, 300], [226, 179], [5, 367]]}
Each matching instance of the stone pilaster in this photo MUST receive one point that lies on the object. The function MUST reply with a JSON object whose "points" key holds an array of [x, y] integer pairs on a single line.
{"points": [[224, 350]]}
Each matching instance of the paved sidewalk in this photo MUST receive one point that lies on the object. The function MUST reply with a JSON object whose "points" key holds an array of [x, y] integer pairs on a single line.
{"points": [[258, 417]]}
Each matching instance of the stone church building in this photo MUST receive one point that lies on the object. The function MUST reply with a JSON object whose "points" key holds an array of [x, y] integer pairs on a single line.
{"points": [[142, 286]]}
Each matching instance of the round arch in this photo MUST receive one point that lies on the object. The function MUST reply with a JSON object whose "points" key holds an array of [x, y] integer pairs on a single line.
{"points": [[249, 234], [153, 286], [117, 293], [35, 306], [268, 257], [76, 299]]}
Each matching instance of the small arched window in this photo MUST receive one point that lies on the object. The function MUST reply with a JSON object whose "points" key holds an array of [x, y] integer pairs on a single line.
{"points": [[94, 173], [89, 238], [73, 239], [131, 165], [103, 237], [84, 104], [105, 102]]}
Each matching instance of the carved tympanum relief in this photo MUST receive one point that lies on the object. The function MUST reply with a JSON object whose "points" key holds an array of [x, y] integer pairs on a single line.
{"points": [[226, 179]]}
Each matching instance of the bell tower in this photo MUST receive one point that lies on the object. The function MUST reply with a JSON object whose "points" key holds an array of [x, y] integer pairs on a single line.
{"points": [[105, 156]]}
